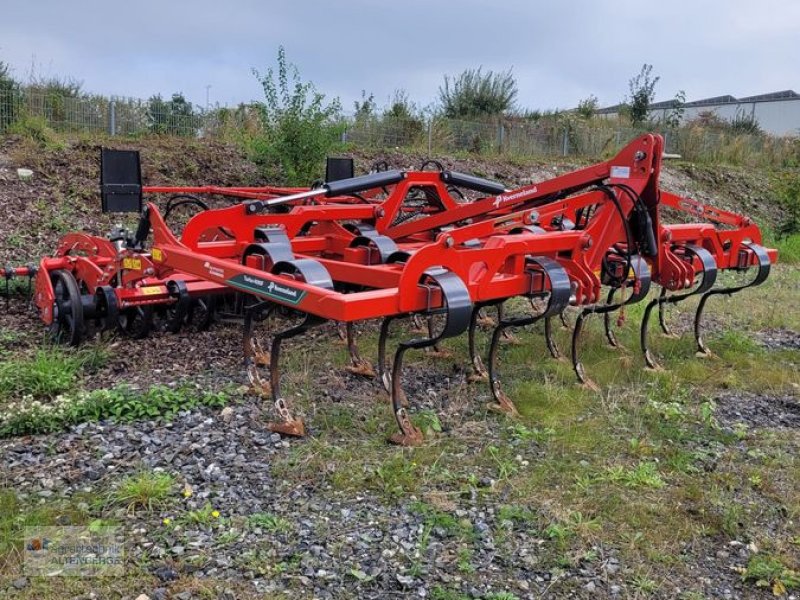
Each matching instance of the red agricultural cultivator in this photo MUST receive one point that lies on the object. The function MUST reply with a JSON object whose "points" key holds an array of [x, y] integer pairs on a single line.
{"points": [[395, 244]]}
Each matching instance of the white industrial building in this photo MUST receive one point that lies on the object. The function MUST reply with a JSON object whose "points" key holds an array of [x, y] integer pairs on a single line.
{"points": [[777, 113]]}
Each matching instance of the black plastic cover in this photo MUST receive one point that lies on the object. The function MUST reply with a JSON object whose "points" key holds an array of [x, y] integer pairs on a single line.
{"points": [[120, 181], [338, 168]]}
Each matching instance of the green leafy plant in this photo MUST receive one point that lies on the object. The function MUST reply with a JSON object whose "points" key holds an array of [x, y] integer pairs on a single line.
{"points": [[642, 475], [205, 515], [642, 92], [768, 571], [30, 415], [299, 127]]}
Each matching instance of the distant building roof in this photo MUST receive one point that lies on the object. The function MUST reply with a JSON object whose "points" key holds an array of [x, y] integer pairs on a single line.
{"points": [[784, 95], [714, 101], [726, 99]]}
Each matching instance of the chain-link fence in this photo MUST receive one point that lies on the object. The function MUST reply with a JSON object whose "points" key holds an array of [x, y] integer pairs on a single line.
{"points": [[29, 107], [97, 114]]}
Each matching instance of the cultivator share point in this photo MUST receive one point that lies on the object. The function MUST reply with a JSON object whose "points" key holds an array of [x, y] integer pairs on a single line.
{"points": [[395, 244]]}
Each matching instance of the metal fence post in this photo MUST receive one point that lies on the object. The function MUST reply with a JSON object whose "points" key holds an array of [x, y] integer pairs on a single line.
{"points": [[500, 136], [430, 136], [112, 118]]}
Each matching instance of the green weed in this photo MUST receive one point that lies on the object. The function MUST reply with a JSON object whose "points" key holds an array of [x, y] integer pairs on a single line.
{"points": [[269, 522], [146, 490]]}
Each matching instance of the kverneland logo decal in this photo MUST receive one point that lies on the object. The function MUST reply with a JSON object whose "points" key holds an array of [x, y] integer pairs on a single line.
{"points": [[263, 287], [513, 196]]}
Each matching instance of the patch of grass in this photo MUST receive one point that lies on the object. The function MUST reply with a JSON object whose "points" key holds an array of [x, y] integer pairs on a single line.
{"points": [[576, 523], [16, 514], [50, 371], [788, 248], [36, 129], [269, 522], [766, 570], [501, 596], [396, 475], [441, 522], [146, 490], [642, 475], [516, 514], [644, 584]]}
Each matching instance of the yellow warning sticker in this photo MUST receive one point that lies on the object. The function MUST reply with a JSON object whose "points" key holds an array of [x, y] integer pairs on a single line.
{"points": [[149, 291], [132, 263], [157, 255]]}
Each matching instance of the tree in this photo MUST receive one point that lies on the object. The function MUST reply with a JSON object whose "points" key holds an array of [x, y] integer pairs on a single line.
{"points": [[642, 90], [475, 94], [300, 128], [675, 115], [402, 120], [587, 107], [9, 93], [173, 117], [365, 109]]}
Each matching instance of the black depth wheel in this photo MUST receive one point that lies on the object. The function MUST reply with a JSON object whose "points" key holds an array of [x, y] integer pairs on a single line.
{"points": [[136, 322], [67, 325]]}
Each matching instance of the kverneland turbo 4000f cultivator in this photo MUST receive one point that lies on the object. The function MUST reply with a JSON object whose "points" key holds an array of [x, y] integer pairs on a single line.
{"points": [[395, 244]]}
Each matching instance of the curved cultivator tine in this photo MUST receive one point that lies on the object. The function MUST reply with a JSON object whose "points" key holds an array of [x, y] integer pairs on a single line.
{"points": [[457, 309], [555, 279], [358, 365], [640, 288], [552, 346], [763, 265], [607, 326], [709, 276]]}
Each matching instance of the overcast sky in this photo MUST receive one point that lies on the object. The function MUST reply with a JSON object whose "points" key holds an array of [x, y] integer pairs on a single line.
{"points": [[560, 52]]}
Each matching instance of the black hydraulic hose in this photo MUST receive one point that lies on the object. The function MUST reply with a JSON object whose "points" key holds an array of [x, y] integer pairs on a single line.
{"points": [[647, 238], [628, 234]]}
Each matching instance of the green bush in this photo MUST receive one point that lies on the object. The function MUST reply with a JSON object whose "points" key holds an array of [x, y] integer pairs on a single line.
{"points": [[299, 128], [789, 197], [476, 94], [37, 129]]}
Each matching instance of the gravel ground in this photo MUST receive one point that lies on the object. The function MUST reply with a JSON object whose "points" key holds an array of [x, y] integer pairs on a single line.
{"points": [[332, 544], [758, 410]]}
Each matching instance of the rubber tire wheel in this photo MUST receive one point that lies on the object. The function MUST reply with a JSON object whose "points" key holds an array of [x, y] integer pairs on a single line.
{"points": [[136, 322], [67, 327]]}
